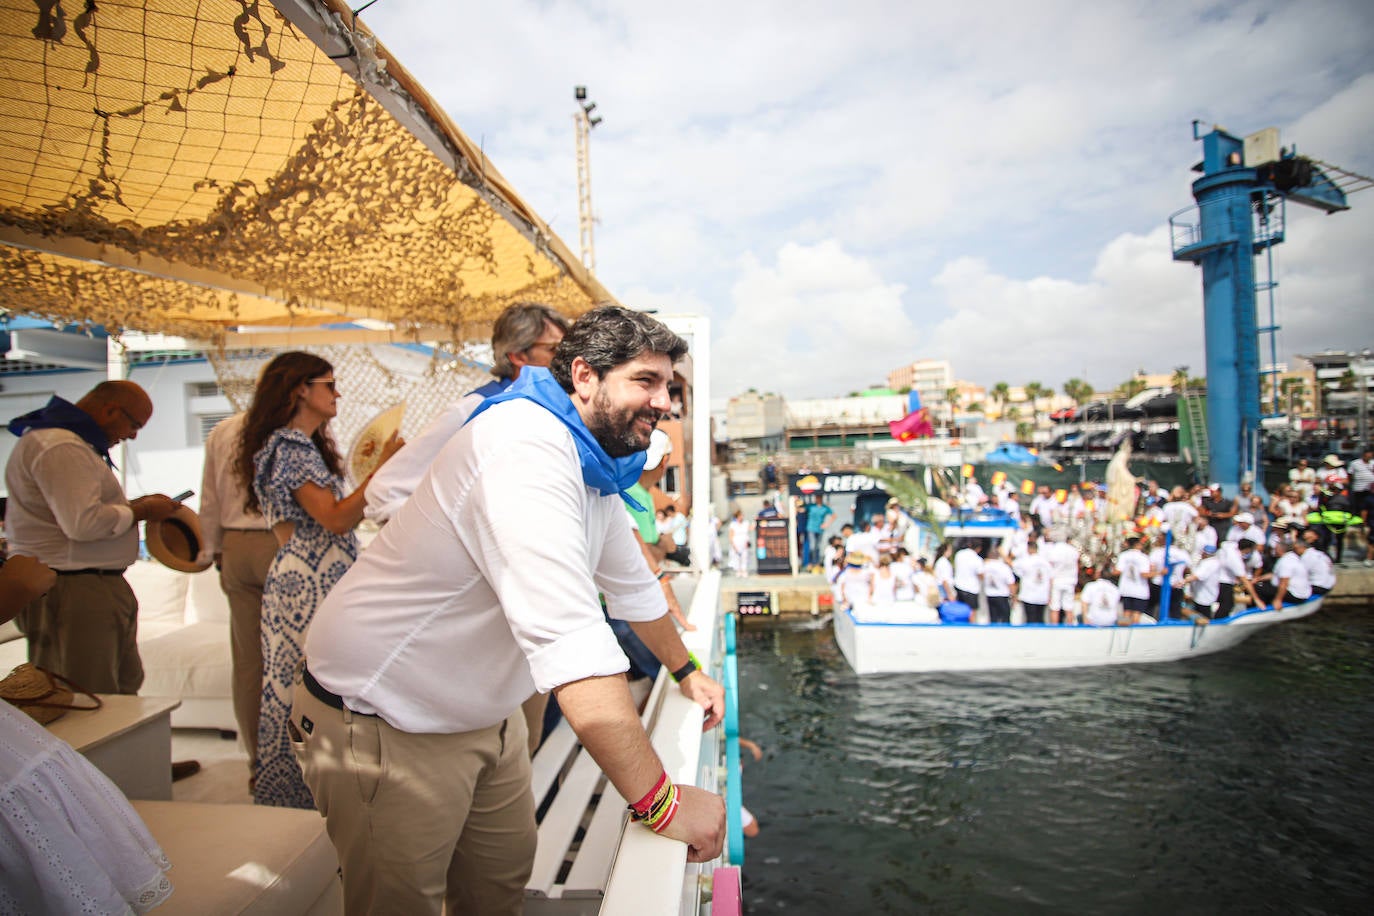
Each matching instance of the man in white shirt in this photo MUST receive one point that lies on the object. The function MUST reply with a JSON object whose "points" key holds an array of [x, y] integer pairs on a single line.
{"points": [[525, 334], [1245, 528], [1173, 566], [1321, 572], [1204, 535], [242, 547], [1033, 587], [1205, 580], [865, 540], [1362, 495], [1178, 511], [407, 712], [1101, 602], [968, 570], [1063, 559], [1239, 561], [1042, 508], [67, 510], [1287, 582], [999, 584], [1132, 569]]}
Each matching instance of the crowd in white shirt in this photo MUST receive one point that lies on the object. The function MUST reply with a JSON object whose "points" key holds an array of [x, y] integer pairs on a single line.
{"points": [[1222, 555]]}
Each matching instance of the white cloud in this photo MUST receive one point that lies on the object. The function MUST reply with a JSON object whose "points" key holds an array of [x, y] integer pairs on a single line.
{"points": [[935, 174], [1138, 309], [815, 321]]}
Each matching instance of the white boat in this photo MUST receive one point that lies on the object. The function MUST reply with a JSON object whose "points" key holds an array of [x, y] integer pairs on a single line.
{"points": [[905, 637]]}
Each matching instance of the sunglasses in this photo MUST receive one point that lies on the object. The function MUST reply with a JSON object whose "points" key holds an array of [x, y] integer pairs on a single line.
{"points": [[323, 381], [130, 417]]}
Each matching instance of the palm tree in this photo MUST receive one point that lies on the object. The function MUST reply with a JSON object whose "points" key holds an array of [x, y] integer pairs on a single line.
{"points": [[1077, 390], [1293, 390], [952, 399], [1023, 432], [1180, 379], [1000, 393], [1035, 391], [1013, 412], [1132, 387]]}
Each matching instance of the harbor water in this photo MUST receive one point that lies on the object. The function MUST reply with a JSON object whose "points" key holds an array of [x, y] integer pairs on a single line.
{"points": [[1236, 783]]}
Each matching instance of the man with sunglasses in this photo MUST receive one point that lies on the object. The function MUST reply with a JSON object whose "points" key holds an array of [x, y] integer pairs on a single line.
{"points": [[526, 334], [67, 509], [407, 711]]}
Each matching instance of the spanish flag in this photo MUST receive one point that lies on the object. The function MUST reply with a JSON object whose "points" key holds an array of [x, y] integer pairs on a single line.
{"points": [[999, 478], [1028, 486], [1061, 495], [915, 425], [966, 471]]}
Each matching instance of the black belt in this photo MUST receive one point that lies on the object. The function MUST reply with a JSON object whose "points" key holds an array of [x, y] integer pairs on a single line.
{"points": [[318, 691], [89, 572]]}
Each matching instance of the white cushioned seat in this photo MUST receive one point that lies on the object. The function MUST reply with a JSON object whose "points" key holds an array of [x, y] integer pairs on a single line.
{"points": [[247, 859]]}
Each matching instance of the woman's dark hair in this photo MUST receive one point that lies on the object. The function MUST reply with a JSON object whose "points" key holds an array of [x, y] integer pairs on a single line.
{"points": [[610, 336], [274, 404]]}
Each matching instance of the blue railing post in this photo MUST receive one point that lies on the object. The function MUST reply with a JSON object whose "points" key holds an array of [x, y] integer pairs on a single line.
{"points": [[734, 829]]}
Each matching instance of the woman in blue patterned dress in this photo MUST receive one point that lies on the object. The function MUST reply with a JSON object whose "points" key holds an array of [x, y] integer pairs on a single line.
{"points": [[292, 474]]}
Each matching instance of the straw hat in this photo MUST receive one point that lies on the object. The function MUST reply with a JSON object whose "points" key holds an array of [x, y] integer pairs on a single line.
{"points": [[175, 541], [1333, 461]]}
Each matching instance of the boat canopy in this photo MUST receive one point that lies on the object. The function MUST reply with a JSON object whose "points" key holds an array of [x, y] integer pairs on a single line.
{"points": [[193, 168]]}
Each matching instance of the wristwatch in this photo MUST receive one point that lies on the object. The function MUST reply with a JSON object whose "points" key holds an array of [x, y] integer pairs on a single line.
{"points": [[686, 669]]}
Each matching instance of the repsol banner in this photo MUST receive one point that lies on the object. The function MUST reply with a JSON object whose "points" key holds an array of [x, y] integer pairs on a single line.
{"points": [[807, 484]]}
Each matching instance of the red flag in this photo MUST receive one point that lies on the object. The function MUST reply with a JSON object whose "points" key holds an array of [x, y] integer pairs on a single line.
{"points": [[915, 425]]}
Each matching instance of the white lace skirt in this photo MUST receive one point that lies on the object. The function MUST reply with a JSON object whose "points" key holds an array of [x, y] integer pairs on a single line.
{"points": [[69, 840]]}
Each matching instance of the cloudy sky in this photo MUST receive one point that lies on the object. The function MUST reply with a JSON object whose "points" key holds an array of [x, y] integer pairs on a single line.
{"points": [[844, 187]]}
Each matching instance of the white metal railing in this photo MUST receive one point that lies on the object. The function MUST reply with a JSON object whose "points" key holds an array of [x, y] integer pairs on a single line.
{"points": [[650, 875]]}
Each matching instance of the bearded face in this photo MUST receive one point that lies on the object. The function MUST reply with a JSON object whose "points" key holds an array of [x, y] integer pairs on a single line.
{"points": [[620, 429]]}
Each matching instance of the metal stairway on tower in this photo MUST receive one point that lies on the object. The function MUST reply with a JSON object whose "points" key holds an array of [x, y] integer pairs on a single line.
{"points": [[1239, 214], [1192, 415]]}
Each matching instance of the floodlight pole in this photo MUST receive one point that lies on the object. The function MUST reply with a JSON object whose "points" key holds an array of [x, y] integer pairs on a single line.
{"points": [[583, 123]]}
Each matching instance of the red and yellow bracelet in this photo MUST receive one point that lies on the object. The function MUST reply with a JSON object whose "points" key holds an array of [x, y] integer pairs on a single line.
{"points": [[656, 809]]}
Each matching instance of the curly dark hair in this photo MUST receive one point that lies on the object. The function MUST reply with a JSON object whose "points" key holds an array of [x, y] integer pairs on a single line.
{"points": [[274, 404], [610, 336]]}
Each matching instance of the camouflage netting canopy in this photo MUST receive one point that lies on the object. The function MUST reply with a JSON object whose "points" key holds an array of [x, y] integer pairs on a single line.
{"points": [[194, 166]]}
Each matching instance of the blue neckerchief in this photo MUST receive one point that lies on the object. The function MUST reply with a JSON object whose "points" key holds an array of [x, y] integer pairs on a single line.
{"points": [[600, 471], [493, 387], [62, 414]]}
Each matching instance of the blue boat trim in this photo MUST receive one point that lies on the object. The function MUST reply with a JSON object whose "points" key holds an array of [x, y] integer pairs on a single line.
{"points": [[1049, 626]]}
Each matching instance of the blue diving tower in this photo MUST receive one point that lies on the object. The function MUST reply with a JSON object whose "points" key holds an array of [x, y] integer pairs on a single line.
{"points": [[1241, 204]]}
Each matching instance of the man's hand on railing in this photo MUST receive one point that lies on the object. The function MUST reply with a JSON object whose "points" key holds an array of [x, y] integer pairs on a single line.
{"points": [[699, 822], [708, 694]]}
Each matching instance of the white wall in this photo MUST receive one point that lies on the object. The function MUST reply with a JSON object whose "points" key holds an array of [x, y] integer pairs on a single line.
{"points": [[167, 455], [875, 409]]}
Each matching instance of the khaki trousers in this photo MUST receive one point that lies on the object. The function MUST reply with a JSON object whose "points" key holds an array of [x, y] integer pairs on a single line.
{"points": [[86, 629], [245, 557], [533, 711], [420, 821]]}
